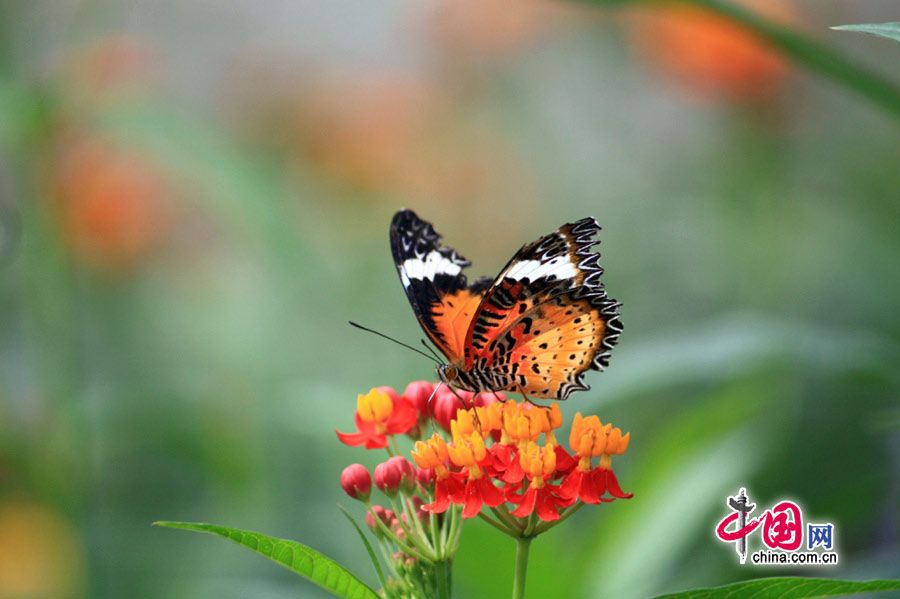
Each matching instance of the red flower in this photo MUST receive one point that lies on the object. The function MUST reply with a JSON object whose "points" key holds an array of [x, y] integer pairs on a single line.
{"points": [[380, 413]]}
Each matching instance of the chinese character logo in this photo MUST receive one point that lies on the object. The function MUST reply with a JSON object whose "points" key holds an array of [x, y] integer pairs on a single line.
{"points": [[819, 535], [781, 531]]}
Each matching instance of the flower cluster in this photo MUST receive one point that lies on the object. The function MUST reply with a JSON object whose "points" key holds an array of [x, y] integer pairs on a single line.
{"points": [[471, 452], [507, 452]]}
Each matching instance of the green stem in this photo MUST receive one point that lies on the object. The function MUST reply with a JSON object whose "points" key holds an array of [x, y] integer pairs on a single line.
{"points": [[523, 544], [442, 575], [508, 519], [815, 56], [501, 527], [544, 526]]}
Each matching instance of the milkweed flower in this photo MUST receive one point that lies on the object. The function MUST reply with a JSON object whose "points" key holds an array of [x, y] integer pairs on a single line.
{"points": [[484, 451], [434, 455], [379, 414], [469, 452], [541, 497], [589, 438]]}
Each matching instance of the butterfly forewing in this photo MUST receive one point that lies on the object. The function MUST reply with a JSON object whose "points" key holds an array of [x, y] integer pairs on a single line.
{"points": [[433, 279]]}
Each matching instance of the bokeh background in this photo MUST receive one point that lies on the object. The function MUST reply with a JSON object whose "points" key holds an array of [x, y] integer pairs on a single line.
{"points": [[195, 199]]}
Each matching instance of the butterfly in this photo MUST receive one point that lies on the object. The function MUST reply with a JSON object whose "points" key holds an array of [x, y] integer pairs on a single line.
{"points": [[534, 329]]}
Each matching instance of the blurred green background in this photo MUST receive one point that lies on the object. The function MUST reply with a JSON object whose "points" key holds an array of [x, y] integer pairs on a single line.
{"points": [[195, 199]]}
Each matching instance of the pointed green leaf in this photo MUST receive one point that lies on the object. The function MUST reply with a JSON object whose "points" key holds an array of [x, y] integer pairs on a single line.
{"points": [[795, 588], [294, 556], [888, 30], [368, 545]]}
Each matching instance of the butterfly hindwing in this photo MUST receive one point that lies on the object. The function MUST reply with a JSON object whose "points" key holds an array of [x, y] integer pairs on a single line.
{"points": [[433, 279], [546, 319]]}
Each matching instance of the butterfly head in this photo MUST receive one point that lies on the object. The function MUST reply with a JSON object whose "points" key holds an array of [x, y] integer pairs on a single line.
{"points": [[448, 373]]}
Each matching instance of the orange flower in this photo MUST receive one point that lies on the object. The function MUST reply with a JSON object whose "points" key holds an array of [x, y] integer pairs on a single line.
{"points": [[589, 438], [468, 451], [710, 54], [539, 463], [113, 203], [434, 455]]}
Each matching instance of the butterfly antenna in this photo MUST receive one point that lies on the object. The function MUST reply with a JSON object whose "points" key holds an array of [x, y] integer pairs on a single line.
{"points": [[430, 349], [418, 351]]}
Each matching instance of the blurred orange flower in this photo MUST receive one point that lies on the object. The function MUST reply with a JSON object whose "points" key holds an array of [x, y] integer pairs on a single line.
{"points": [[366, 130], [485, 30], [39, 553], [710, 55], [113, 204]]}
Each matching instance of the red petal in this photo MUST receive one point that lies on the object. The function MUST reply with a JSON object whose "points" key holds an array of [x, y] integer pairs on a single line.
{"points": [[514, 474], [527, 506], [473, 500], [491, 495], [403, 418], [615, 490], [546, 507], [571, 484], [441, 498], [455, 488], [369, 440], [564, 462]]}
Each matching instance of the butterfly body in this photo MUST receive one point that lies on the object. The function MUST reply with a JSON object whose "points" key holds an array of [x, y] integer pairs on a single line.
{"points": [[535, 329]]}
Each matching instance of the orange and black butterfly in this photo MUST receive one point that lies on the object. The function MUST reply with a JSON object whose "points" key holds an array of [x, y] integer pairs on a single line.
{"points": [[535, 329]]}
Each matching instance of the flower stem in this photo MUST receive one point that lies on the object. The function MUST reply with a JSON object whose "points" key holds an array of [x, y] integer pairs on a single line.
{"points": [[442, 574], [499, 526], [544, 526], [523, 544]]}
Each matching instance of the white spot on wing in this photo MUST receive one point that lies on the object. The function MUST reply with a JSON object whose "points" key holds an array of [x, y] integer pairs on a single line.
{"points": [[560, 267], [434, 264]]}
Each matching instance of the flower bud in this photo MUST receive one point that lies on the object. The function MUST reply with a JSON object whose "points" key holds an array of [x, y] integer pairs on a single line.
{"points": [[425, 477], [384, 515], [445, 405], [417, 503], [418, 392], [393, 475], [356, 482]]}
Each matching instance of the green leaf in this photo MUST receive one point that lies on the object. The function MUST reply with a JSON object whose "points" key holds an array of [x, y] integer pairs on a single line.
{"points": [[298, 558], [368, 545], [796, 588], [888, 30]]}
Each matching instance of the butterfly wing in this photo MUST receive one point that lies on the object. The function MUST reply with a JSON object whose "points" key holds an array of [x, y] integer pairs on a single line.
{"points": [[546, 319], [432, 276]]}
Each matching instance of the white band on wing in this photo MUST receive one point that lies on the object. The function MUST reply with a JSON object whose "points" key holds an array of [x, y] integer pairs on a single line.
{"points": [[434, 264]]}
